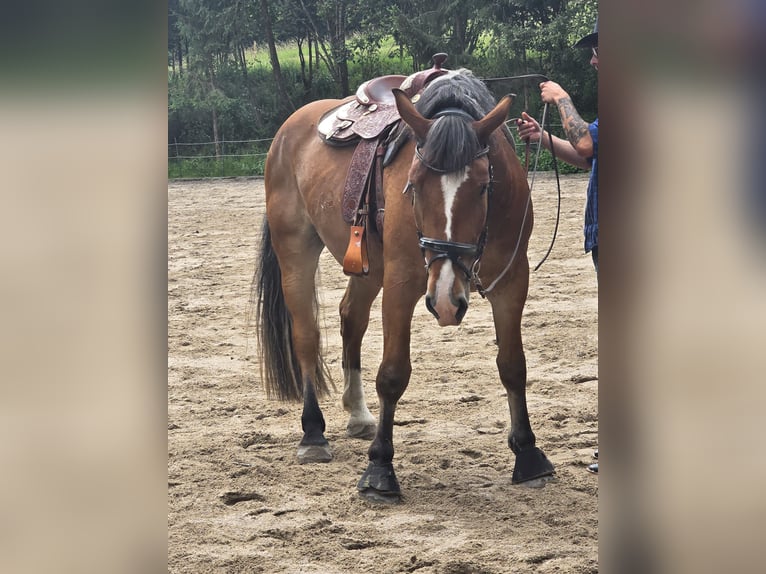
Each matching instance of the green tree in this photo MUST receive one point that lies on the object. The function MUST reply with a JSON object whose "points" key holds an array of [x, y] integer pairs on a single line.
{"points": [[214, 90], [274, 57]]}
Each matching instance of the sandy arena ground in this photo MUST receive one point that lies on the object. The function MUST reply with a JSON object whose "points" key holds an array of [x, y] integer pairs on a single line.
{"points": [[238, 501]]}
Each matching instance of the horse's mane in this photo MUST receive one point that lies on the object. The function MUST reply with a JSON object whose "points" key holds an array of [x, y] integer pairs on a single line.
{"points": [[452, 144]]}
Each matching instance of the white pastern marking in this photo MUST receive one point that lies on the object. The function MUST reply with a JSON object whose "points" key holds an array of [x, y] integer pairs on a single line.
{"points": [[353, 400], [451, 182]]}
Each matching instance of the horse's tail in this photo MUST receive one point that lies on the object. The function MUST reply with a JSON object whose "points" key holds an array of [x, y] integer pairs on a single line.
{"points": [[280, 370]]}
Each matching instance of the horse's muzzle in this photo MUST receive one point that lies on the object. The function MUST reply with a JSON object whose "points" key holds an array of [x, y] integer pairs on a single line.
{"points": [[447, 314]]}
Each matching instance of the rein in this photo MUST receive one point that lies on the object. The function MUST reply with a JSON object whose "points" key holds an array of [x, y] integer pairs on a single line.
{"points": [[497, 279], [544, 78]]}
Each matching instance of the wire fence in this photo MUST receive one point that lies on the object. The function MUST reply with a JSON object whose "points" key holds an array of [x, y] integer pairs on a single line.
{"points": [[227, 158], [217, 159]]}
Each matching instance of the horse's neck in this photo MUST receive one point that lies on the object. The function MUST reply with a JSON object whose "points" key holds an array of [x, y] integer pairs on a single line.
{"points": [[509, 188]]}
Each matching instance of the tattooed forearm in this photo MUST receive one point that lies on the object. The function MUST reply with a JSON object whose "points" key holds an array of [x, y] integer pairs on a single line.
{"points": [[574, 126]]}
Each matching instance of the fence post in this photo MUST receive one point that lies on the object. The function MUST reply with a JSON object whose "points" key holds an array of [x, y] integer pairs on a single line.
{"points": [[178, 161], [221, 164]]}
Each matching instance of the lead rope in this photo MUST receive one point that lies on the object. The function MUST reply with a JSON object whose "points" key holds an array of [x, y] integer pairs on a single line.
{"points": [[491, 286], [534, 172], [558, 189]]}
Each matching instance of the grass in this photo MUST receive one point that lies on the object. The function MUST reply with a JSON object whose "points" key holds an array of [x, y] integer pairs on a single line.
{"points": [[253, 165], [212, 167], [258, 56]]}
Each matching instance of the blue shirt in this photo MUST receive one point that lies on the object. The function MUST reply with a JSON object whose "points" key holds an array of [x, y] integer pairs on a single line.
{"points": [[591, 203]]}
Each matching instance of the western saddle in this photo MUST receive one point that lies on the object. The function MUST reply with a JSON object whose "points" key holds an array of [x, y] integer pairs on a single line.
{"points": [[370, 121]]}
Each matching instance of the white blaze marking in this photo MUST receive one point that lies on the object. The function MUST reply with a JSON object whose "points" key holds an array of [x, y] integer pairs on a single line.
{"points": [[451, 182], [446, 275]]}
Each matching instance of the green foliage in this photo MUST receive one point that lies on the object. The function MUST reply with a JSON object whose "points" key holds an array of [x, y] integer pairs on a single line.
{"points": [[222, 85]]}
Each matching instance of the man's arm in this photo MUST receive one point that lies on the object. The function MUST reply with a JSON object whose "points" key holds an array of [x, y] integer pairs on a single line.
{"points": [[575, 127], [530, 131]]}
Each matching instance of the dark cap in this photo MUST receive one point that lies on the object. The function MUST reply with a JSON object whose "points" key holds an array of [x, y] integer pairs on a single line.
{"points": [[589, 41]]}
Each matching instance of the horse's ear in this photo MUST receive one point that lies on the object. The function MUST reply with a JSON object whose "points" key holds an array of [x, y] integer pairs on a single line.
{"points": [[489, 123], [410, 115]]}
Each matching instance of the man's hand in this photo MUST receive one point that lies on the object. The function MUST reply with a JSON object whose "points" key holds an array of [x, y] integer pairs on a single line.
{"points": [[551, 92], [529, 129]]}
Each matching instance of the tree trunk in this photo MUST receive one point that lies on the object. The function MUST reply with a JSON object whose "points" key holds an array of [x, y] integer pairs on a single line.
{"points": [[302, 60], [339, 48], [275, 67], [242, 60], [311, 63]]}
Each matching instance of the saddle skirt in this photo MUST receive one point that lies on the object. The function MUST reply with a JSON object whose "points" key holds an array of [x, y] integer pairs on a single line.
{"points": [[352, 120]]}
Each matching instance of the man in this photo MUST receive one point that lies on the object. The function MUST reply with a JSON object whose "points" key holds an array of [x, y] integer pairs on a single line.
{"points": [[579, 149], [581, 146]]}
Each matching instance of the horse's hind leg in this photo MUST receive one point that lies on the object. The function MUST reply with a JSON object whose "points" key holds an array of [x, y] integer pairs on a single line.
{"points": [[354, 319], [298, 251], [531, 462]]}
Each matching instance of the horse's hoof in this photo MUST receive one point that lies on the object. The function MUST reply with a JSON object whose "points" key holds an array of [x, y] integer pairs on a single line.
{"points": [[531, 464], [379, 484], [361, 430], [372, 495], [537, 482], [311, 453]]}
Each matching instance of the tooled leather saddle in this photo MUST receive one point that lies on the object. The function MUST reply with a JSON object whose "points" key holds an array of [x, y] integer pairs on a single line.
{"points": [[370, 121]]}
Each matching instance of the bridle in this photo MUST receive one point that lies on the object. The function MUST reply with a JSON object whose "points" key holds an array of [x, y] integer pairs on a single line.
{"points": [[454, 250]]}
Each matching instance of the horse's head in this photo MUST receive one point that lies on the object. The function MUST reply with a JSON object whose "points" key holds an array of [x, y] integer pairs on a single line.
{"points": [[450, 182]]}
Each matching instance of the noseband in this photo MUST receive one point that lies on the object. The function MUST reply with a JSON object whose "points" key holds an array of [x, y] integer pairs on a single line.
{"points": [[454, 250]]}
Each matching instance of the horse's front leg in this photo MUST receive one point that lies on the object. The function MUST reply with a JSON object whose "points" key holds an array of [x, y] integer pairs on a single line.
{"points": [[379, 483], [531, 462]]}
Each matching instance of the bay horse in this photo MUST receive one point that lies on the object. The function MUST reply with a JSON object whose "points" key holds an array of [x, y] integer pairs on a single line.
{"points": [[456, 204]]}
